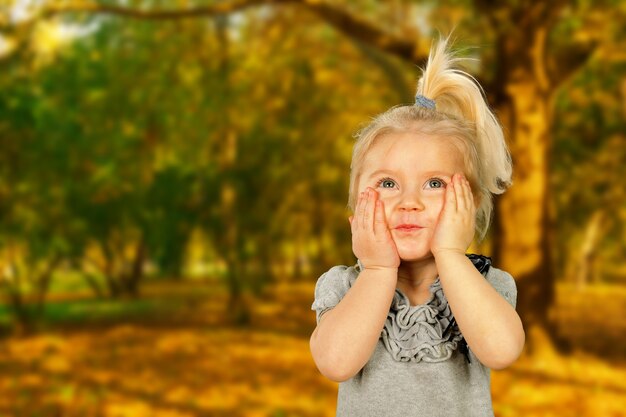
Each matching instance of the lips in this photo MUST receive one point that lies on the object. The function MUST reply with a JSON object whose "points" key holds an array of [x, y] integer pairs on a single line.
{"points": [[408, 227]]}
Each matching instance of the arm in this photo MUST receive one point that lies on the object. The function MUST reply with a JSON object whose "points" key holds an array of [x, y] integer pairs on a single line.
{"points": [[490, 325], [346, 336]]}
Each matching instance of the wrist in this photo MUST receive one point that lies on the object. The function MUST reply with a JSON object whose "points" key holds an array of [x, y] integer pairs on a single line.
{"points": [[446, 253], [380, 268], [380, 273], [375, 267]]}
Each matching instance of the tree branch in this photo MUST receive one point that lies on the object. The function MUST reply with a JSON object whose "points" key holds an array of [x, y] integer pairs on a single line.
{"points": [[365, 32], [568, 61], [341, 20], [192, 12]]}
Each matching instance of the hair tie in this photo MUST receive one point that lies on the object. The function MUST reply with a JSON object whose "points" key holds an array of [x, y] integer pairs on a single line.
{"points": [[420, 100]]}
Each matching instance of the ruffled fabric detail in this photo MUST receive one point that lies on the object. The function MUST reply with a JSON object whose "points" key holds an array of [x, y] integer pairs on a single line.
{"points": [[426, 332]]}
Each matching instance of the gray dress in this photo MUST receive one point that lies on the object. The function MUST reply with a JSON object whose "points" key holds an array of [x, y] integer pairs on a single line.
{"points": [[421, 365]]}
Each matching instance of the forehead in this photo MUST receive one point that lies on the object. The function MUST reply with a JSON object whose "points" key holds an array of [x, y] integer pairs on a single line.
{"points": [[414, 152]]}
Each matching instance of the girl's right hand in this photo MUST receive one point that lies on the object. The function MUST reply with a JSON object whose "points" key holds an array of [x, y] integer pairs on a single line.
{"points": [[372, 243]]}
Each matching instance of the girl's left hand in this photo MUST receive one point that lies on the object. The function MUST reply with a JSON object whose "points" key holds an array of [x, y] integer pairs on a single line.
{"points": [[455, 227]]}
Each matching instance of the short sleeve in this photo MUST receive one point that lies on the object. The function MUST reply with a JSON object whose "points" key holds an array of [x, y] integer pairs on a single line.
{"points": [[504, 284], [331, 287]]}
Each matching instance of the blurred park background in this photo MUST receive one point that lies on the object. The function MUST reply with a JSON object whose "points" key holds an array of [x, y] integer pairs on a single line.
{"points": [[174, 176]]}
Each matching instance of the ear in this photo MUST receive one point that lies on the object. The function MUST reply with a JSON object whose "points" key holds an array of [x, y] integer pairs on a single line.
{"points": [[474, 187], [477, 197], [353, 191]]}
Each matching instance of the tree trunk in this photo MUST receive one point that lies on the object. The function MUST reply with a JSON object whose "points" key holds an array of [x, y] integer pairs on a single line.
{"points": [[92, 282], [23, 317], [24, 322], [43, 284], [131, 285], [229, 241], [522, 244], [524, 249], [109, 270], [585, 272]]}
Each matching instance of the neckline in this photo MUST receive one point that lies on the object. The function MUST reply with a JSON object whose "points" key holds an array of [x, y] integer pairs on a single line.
{"points": [[427, 302]]}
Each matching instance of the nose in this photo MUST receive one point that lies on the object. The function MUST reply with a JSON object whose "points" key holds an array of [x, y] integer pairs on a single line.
{"points": [[411, 201]]}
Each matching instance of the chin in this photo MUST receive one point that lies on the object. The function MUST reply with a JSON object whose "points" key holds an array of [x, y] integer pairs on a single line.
{"points": [[413, 248], [414, 254], [416, 257]]}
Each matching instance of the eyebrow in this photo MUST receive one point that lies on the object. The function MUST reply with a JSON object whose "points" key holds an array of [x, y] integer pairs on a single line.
{"points": [[426, 174], [381, 171]]}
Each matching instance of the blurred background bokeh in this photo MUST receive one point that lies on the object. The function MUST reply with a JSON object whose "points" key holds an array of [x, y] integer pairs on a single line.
{"points": [[174, 175]]}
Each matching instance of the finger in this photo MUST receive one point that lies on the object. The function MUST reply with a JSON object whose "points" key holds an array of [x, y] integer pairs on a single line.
{"points": [[467, 192], [460, 192], [380, 223], [469, 196], [449, 204], [354, 216], [367, 211], [360, 207]]}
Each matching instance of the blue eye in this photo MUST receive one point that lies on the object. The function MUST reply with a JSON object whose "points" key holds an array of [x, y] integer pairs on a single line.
{"points": [[436, 183], [386, 183]]}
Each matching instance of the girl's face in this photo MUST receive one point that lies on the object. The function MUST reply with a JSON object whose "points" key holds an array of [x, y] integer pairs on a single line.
{"points": [[410, 173]]}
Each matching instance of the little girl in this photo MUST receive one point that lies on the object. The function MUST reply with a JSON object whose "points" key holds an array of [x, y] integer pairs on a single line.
{"points": [[415, 326]]}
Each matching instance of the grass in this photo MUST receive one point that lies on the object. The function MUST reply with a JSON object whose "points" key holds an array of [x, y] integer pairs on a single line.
{"points": [[74, 303], [96, 310]]}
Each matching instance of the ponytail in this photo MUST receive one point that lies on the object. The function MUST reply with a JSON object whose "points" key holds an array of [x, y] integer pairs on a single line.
{"points": [[458, 94]]}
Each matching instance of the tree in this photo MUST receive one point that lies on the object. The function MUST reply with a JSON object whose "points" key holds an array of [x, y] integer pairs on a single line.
{"points": [[536, 48]]}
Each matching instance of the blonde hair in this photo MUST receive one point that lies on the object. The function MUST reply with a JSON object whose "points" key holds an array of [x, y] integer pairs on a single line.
{"points": [[462, 115]]}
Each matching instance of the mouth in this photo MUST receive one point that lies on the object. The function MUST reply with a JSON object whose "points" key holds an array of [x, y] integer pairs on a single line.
{"points": [[408, 228]]}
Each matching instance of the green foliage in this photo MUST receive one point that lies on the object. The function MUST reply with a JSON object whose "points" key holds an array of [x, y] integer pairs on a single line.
{"points": [[589, 163], [136, 133]]}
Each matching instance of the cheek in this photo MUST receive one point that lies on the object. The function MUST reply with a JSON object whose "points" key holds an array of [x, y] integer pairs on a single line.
{"points": [[388, 208], [435, 205]]}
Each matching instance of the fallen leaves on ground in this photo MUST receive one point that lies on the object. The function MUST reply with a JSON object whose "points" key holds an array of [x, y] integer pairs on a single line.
{"points": [[192, 370]]}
